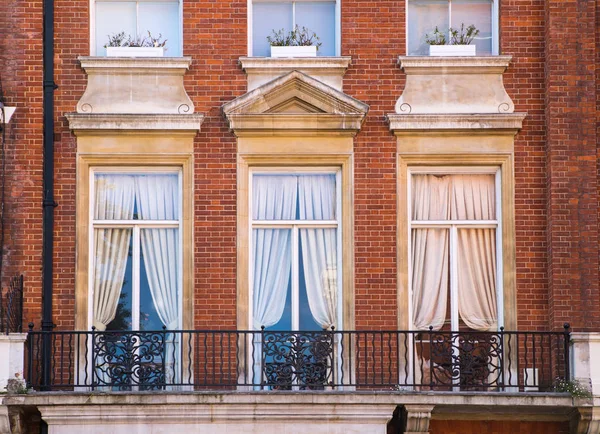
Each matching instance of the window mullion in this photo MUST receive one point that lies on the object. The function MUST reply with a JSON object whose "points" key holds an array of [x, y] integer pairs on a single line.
{"points": [[453, 278], [135, 297], [295, 280]]}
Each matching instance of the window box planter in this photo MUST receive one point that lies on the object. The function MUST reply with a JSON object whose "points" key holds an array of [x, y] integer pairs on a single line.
{"points": [[294, 51], [135, 51], [452, 50]]}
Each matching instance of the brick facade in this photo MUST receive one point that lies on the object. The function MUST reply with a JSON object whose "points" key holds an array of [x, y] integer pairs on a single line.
{"points": [[553, 77]]}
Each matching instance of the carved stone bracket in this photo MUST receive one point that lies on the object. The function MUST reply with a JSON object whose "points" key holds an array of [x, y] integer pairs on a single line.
{"points": [[416, 418], [586, 420]]}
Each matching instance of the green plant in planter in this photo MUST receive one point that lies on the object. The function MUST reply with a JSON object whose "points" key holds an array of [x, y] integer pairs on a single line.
{"points": [[463, 36], [123, 40], [573, 387], [298, 37], [438, 38]]}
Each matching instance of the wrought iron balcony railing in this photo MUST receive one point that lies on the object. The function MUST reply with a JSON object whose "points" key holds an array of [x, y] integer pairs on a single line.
{"points": [[297, 360]]}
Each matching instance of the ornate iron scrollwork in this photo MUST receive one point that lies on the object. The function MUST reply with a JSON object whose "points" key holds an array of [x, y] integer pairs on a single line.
{"points": [[470, 360], [297, 359], [126, 359]]}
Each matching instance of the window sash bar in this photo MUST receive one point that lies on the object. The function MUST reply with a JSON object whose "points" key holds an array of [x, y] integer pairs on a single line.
{"points": [[294, 223], [136, 222], [453, 222]]}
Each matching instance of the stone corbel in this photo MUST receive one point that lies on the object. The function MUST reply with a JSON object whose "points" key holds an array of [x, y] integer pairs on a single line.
{"points": [[586, 420], [416, 418]]}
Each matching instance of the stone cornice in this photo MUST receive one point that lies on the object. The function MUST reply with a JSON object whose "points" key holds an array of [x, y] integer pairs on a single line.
{"points": [[82, 122], [507, 122], [295, 104], [454, 65], [110, 65], [292, 124], [261, 70]]}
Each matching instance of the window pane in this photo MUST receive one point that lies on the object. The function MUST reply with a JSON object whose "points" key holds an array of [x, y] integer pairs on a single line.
{"points": [[161, 18], [140, 196], [159, 279], [111, 18], [479, 13], [430, 277], [113, 279], [423, 17], [473, 197], [267, 17], [319, 17], [476, 280], [294, 197], [271, 277], [454, 197], [318, 283]]}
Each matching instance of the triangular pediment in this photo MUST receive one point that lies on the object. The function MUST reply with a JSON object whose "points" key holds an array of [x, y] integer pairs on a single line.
{"points": [[295, 101]]}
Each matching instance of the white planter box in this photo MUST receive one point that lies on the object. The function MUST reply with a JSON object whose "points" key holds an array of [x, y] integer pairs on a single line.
{"points": [[135, 51], [452, 50], [308, 51]]}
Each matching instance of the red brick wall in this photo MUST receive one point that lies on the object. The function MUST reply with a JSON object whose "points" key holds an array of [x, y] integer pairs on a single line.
{"points": [[556, 168], [21, 76], [371, 35], [497, 427], [522, 37], [572, 179]]}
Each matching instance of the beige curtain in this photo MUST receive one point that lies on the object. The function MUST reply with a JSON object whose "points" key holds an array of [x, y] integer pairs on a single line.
{"points": [[473, 198], [430, 201], [114, 198]]}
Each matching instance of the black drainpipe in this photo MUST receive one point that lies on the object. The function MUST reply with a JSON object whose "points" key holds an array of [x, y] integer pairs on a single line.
{"points": [[48, 181]]}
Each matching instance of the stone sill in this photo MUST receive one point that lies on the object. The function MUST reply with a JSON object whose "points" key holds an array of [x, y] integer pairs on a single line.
{"points": [[108, 65], [508, 122], [80, 122], [261, 70], [424, 65]]}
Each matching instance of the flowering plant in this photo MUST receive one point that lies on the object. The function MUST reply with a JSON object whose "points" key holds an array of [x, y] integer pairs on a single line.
{"points": [[123, 40], [295, 38]]}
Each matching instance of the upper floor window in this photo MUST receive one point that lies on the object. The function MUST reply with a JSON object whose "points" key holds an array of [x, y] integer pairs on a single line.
{"points": [[425, 15], [455, 249], [321, 17], [137, 18]]}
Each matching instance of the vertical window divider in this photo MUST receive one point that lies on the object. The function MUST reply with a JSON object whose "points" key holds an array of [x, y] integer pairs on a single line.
{"points": [[295, 276], [135, 315]]}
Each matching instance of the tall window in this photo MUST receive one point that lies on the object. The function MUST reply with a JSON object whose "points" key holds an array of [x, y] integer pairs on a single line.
{"points": [[295, 250], [425, 15], [455, 249], [135, 279], [137, 18], [319, 16]]}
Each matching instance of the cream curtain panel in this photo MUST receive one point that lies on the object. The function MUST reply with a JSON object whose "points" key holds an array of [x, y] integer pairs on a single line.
{"points": [[430, 201], [316, 195], [454, 197], [274, 197], [114, 200]]}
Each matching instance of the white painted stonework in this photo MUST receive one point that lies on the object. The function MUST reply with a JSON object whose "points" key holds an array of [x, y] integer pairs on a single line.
{"points": [[586, 360], [11, 357]]}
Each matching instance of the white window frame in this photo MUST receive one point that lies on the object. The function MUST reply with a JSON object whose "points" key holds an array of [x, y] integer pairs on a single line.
{"points": [[453, 226], [93, 21], [338, 18], [136, 225], [295, 225], [495, 25]]}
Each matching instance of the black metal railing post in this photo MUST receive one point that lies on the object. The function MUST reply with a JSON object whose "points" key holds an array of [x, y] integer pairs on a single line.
{"points": [[93, 358], [567, 342]]}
